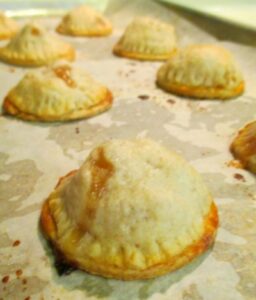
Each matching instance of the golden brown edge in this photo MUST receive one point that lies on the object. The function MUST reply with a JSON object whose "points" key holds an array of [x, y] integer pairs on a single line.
{"points": [[49, 229], [103, 105], [202, 92], [92, 33], [7, 36], [70, 55], [141, 56]]}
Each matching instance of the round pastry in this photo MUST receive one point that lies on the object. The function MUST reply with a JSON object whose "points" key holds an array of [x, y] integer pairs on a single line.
{"points": [[134, 210], [244, 147], [147, 39], [57, 93], [201, 71], [8, 27], [33, 46], [84, 21]]}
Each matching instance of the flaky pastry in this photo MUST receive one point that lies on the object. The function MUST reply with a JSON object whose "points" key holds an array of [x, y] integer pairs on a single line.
{"points": [[133, 210], [8, 27], [147, 38], [201, 71], [57, 93], [84, 21], [34, 46], [244, 147]]}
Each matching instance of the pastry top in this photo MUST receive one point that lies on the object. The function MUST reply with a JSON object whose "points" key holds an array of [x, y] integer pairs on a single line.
{"points": [[132, 204], [8, 27], [201, 65], [57, 92], [33, 45], [148, 36], [84, 21], [244, 146]]}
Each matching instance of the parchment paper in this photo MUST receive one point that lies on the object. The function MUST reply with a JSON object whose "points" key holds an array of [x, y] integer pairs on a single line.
{"points": [[34, 155]]}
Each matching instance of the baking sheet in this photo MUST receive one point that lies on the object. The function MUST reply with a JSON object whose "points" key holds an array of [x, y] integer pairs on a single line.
{"points": [[237, 12], [34, 155]]}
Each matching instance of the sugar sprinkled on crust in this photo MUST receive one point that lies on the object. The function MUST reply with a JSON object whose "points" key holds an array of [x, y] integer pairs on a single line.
{"points": [[133, 210]]}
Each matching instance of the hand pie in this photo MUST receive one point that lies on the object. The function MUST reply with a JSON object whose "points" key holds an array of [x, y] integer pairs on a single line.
{"points": [[201, 71], [8, 27], [244, 147], [58, 93], [133, 210], [84, 21], [33, 46], [147, 39]]}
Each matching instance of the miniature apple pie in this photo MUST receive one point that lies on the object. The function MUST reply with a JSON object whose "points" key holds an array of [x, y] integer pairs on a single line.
{"points": [[133, 210], [147, 39], [33, 46], [57, 93], [244, 147], [8, 27], [84, 21], [201, 71]]}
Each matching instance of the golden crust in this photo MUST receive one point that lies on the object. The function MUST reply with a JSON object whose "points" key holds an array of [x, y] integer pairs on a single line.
{"points": [[57, 93], [147, 38], [49, 229], [201, 92], [117, 50], [98, 225], [92, 33], [202, 72], [101, 106], [8, 27], [33, 46], [243, 147], [6, 36], [84, 21], [14, 59]]}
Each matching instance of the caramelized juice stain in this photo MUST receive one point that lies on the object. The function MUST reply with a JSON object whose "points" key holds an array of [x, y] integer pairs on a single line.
{"points": [[102, 170], [19, 273], [16, 243], [35, 31], [63, 72], [5, 279]]}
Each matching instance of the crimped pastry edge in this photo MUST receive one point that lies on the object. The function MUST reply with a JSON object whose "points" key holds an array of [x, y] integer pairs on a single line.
{"points": [[84, 33], [201, 92], [117, 50], [10, 109], [48, 227], [36, 62]]}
